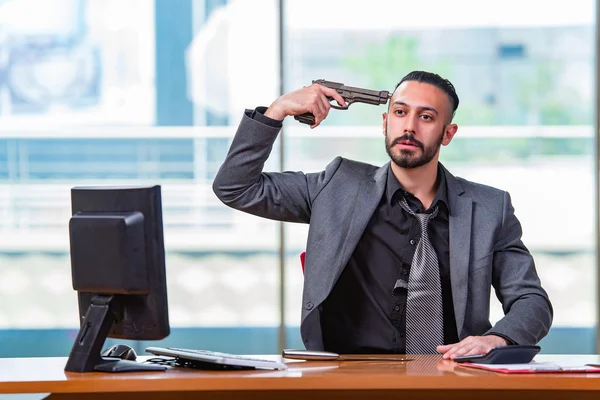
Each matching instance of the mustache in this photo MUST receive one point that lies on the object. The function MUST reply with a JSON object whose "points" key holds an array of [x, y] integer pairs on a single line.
{"points": [[409, 137]]}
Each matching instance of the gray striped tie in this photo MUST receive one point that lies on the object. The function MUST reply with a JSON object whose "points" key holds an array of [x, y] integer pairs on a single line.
{"points": [[424, 314]]}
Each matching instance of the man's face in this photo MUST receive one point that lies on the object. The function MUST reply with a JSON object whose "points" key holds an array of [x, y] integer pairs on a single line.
{"points": [[417, 124]]}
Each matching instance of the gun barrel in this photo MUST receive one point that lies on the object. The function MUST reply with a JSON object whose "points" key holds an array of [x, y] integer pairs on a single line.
{"points": [[377, 98]]}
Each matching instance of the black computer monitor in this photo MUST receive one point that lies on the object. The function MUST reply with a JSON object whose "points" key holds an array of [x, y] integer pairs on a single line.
{"points": [[118, 270]]}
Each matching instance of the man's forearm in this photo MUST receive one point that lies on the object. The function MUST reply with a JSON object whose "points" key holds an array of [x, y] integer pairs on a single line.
{"points": [[527, 322], [242, 168], [241, 183]]}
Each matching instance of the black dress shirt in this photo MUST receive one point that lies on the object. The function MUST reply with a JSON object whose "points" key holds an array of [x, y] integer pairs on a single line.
{"points": [[364, 313]]}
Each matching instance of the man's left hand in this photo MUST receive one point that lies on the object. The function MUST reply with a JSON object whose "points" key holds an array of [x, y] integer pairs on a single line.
{"points": [[472, 345]]}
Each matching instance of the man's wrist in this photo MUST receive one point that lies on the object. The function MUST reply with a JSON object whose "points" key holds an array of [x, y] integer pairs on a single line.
{"points": [[258, 114], [274, 113], [499, 339]]}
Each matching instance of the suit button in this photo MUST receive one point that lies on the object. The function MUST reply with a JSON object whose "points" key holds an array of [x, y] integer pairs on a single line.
{"points": [[309, 306], [412, 241]]}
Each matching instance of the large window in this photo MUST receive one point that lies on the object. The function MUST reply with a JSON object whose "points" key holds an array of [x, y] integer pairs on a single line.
{"points": [[121, 92], [150, 92]]}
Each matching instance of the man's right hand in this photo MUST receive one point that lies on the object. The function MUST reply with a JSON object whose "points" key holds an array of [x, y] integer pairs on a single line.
{"points": [[312, 99]]}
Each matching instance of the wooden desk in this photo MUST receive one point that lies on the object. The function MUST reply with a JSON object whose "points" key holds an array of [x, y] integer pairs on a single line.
{"points": [[425, 377]]}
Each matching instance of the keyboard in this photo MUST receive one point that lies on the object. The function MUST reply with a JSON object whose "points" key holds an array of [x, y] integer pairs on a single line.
{"points": [[202, 358]]}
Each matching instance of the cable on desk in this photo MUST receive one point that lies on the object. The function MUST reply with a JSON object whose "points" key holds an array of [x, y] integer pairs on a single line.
{"points": [[187, 363]]}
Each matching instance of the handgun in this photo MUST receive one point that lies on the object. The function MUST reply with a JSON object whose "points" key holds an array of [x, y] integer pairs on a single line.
{"points": [[350, 94]]}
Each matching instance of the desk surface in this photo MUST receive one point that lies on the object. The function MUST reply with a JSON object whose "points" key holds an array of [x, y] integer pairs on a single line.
{"points": [[47, 375]]}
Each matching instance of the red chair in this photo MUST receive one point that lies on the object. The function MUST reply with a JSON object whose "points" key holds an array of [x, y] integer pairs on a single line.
{"points": [[302, 259]]}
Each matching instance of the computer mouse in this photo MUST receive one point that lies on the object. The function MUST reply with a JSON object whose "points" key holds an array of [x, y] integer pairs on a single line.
{"points": [[121, 351]]}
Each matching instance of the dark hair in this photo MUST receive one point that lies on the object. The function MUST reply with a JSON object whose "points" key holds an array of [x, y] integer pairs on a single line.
{"points": [[435, 80]]}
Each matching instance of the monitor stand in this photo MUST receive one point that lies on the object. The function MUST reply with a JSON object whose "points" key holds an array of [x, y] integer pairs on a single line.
{"points": [[85, 354]]}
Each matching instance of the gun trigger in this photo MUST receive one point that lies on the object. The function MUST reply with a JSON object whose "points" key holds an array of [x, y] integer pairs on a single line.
{"points": [[348, 103], [338, 107]]}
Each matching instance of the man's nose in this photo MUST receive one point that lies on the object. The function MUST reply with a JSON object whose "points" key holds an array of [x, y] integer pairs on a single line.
{"points": [[411, 124]]}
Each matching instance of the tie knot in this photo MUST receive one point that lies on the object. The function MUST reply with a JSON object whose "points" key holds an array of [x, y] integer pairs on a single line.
{"points": [[422, 217]]}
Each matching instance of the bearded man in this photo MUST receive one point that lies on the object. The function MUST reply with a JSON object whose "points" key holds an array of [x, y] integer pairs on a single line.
{"points": [[400, 258]]}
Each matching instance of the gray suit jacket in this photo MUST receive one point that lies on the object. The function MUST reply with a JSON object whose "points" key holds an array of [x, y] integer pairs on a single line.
{"points": [[485, 236]]}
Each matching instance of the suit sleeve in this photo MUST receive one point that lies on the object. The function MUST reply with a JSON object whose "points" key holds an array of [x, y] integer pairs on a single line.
{"points": [[241, 183], [527, 308]]}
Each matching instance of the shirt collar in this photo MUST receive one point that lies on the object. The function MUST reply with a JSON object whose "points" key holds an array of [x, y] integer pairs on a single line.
{"points": [[394, 188]]}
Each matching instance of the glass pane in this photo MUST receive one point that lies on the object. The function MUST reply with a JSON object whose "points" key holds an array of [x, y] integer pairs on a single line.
{"points": [[122, 92], [525, 81]]}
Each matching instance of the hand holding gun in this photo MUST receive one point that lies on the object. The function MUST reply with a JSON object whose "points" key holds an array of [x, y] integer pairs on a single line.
{"points": [[350, 95]]}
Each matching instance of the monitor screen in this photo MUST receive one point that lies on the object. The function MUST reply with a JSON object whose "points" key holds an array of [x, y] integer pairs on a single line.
{"points": [[118, 270]]}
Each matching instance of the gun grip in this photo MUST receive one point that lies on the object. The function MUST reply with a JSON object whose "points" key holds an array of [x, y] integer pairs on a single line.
{"points": [[306, 118]]}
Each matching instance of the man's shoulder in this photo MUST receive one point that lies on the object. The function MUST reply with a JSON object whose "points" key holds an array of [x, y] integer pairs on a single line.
{"points": [[481, 191], [358, 169]]}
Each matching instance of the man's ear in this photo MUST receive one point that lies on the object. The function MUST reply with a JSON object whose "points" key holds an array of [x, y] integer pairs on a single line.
{"points": [[384, 124], [449, 133]]}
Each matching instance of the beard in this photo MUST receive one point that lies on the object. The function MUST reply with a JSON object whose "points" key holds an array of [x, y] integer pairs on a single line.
{"points": [[412, 158]]}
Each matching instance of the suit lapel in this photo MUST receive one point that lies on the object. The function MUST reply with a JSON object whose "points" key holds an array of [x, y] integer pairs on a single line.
{"points": [[461, 212], [370, 192]]}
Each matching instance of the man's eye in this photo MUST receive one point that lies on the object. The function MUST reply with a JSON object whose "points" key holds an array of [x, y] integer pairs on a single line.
{"points": [[426, 117], [399, 112]]}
